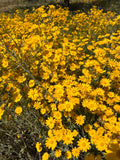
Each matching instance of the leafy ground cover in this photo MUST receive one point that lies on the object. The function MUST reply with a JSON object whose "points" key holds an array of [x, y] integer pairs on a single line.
{"points": [[59, 84]]}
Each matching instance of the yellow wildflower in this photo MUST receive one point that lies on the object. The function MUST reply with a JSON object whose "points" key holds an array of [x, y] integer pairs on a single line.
{"points": [[4, 63], [57, 115], [105, 82], [18, 110], [31, 83], [101, 144], [51, 142], [76, 152], [45, 156], [117, 108], [59, 91], [43, 110], [1, 112], [57, 153], [33, 94], [68, 138], [83, 144], [80, 120], [68, 154], [68, 106], [18, 97], [38, 147], [75, 133], [50, 122], [58, 134], [37, 105], [18, 136], [21, 79]]}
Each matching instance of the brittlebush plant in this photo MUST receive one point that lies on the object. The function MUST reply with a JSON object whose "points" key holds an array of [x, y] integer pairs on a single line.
{"points": [[60, 84]]}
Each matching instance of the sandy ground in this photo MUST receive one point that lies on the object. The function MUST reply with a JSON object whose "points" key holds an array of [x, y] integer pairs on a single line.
{"points": [[6, 5]]}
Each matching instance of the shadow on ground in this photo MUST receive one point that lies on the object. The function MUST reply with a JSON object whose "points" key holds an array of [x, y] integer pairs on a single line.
{"points": [[112, 5]]}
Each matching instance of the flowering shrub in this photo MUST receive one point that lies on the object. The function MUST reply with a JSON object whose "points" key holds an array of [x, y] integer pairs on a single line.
{"points": [[59, 84]]}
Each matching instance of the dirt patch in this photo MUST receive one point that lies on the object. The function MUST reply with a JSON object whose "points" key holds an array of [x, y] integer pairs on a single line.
{"points": [[7, 5], [113, 5]]}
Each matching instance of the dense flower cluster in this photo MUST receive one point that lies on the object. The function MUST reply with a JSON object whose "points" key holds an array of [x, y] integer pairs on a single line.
{"points": [[67, 67]]}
